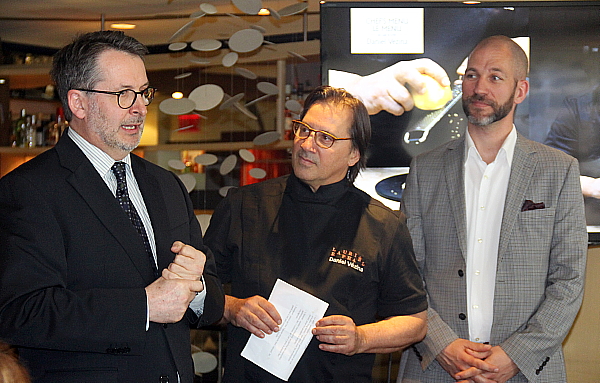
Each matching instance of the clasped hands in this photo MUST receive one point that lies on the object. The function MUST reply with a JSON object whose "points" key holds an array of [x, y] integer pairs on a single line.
{"points": [[471, 362], [170, 295], [337, 333]]}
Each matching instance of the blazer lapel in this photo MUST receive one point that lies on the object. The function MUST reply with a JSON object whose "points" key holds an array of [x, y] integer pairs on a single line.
{"points": [[157, 210], [523, 164], [93, 190], [454, 175]]}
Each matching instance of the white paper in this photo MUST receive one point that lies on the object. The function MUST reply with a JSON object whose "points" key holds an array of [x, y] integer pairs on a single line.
{"points": [[278, 353]]}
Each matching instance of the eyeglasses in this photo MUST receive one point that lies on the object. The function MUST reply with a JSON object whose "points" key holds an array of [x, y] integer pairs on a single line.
{"points": [[325, 140], [126, 98]]}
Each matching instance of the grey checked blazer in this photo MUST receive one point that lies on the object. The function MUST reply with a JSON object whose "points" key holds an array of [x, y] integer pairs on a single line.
{"points": [[541, 259]]}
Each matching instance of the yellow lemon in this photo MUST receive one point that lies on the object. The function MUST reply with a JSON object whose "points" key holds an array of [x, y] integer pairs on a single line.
{"points": [[435, 96]]}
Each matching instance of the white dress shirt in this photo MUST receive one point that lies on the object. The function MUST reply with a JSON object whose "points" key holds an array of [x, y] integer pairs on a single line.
{"points": [[485, 194]]}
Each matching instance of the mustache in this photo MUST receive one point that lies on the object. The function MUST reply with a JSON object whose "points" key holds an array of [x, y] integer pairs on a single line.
{"points": [[480, 98], [136, 121], [306, 155]]}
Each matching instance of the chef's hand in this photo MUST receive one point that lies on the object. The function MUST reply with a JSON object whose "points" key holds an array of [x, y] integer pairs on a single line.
{"points": [[255, 314]]}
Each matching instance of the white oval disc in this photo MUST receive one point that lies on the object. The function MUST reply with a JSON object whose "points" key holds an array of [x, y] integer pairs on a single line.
{"points": [[206, 45], [229, 59], [245, 40], [293, 106], [208, 8], [247, 155], [177, 46], [189, 181], [177, 106], [176, 164], [293, 9], [266, 138], [257, 173], [228, 103], [251, 7], [224, 190], [246, 73], [206, 159], [183, 75], [228, 164], [267, 87], [207, 96]]}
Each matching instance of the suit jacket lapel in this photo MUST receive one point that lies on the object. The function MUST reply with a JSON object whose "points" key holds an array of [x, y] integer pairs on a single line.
{"points": [[157, 210], [523, 164], [87, 182], [454, 173]]}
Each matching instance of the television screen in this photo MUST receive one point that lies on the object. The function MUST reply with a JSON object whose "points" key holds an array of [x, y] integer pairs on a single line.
{"points": [[562, 40]]}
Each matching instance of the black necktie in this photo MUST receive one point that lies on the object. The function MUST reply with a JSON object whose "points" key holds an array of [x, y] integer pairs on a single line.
{"points": [[123, 197]]}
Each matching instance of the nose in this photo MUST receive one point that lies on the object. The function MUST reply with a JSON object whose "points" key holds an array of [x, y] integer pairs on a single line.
{"points": [[139, 107], [479, 87], [309, 143]]}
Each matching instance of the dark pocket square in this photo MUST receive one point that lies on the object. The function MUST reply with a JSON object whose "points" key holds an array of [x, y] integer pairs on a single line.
{"points": [[530, 205]]}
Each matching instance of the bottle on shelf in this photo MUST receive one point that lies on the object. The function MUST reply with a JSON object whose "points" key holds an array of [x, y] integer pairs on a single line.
{"points": [[30, 131], [19, 130], [56, 129]]}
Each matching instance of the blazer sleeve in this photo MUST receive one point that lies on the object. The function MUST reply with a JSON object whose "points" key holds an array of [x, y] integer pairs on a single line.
{"points": [[532, 346], [439, 334]]}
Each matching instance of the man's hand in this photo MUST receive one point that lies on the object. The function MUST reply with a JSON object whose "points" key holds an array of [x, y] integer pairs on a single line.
{"points": [[255, 314], [386, 90], [338, 333], [463, 359], [168, 300], [590, 186], [506, 368], [188, 263]]}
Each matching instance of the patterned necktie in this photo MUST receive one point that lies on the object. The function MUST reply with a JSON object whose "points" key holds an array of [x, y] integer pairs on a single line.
{"points": [[123, 197]]}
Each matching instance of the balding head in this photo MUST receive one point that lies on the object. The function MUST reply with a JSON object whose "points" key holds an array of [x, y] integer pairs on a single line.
{"points": [[520, 62]]}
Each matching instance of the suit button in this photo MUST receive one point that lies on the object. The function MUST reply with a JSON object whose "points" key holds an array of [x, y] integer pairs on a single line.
{"points": [[461, 273], [164, 379], [462, 316]]}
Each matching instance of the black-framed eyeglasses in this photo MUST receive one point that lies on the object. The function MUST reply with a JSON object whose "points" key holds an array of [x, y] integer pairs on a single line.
{"points": [[126, 97], [324, 139]]}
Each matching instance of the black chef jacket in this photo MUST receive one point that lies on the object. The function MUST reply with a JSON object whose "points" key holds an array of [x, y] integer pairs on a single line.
{"points": [[337, 244]]}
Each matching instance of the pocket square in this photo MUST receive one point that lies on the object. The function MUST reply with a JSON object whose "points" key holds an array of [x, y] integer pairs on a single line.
{"points": [[530, 205]]}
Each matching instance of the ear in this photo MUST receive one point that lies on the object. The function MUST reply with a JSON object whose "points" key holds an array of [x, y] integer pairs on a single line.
{"points": [[521, 91], [78, 103], [354, 157]]}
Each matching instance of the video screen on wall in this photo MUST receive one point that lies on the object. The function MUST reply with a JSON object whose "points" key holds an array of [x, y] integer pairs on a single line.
{"points": [[562, 40]]}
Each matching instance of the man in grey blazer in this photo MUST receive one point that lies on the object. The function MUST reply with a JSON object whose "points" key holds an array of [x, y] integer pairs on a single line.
{"points": [[498, 228]]}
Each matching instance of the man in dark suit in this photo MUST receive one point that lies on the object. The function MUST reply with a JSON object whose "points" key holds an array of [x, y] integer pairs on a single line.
{"points": [[499, 233], [102, 266]]}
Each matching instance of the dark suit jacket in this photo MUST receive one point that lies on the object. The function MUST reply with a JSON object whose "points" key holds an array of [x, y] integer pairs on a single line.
{"points": [[540, 267], [73, 272]]}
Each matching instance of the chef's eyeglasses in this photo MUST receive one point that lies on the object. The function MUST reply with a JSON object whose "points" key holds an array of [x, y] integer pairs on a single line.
{"points": [[126, 98], [325, 140]]}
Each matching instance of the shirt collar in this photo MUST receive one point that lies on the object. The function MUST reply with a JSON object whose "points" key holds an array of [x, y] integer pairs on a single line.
{"points": [[508, 147], [101, 161], [325, 194]]}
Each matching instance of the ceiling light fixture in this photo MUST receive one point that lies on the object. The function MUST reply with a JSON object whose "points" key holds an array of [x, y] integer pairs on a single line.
{"points": [[264, 12], [122, 26], [177, 95], [471, 2]]}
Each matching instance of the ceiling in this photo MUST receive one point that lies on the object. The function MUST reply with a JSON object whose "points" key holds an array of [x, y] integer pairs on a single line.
{"points": [[50, 24]]}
